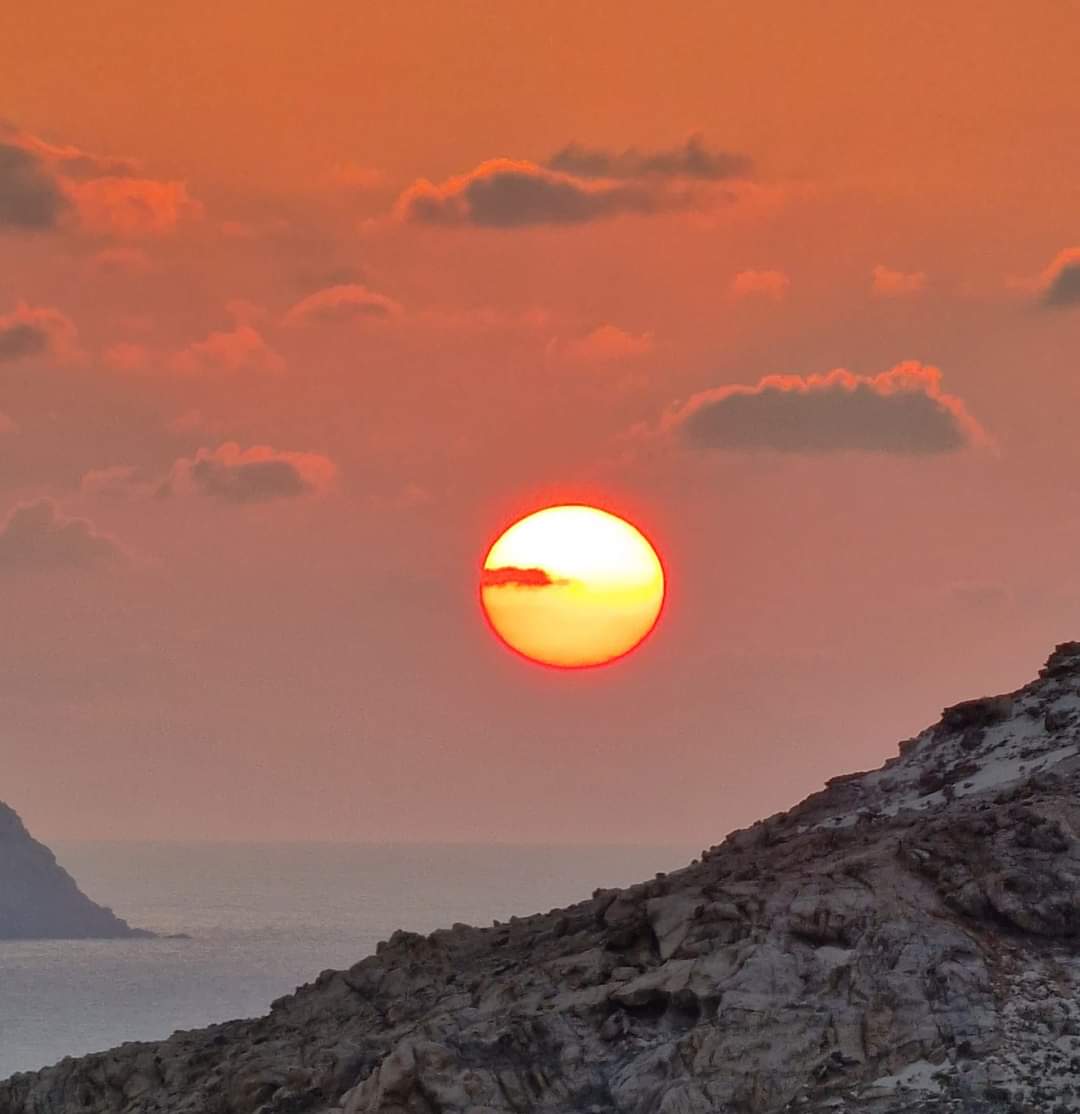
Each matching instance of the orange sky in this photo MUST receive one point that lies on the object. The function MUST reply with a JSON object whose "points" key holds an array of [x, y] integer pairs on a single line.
{"points": [[281, 346]]}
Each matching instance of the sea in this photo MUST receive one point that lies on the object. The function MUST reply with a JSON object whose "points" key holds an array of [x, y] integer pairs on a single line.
{"points": [[242, 924]]}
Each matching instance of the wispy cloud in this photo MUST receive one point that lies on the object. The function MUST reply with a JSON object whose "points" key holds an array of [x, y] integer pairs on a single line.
{"points": [[343, 303], [888, 283]]}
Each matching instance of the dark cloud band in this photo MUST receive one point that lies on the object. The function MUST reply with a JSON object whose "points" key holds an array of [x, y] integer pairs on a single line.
{"points": [[577, 185], [506, 194], [693, 159], [260, 474], [511, 576], [901, 411]]}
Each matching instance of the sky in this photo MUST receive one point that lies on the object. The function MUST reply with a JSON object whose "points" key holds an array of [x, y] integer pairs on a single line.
{"points": [[300, 305]]}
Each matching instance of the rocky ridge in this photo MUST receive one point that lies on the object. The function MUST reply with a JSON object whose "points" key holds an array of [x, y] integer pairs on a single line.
{"points": [[39, 900], [906, 940]]}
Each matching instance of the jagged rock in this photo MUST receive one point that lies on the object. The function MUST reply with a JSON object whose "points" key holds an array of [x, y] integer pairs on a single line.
{"points": [[983, 712], [907, 941], [39, 899]]}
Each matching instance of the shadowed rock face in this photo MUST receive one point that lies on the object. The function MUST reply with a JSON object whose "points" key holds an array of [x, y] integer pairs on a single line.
{"points": [[38, 899], [907, 940]]}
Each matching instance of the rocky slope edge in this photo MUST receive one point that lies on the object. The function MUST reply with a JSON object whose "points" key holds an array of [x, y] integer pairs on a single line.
{"points": [[907, 940], [39, 900]]}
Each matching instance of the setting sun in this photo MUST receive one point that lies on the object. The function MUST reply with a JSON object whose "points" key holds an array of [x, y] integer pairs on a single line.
{"points": [[572, 586]]}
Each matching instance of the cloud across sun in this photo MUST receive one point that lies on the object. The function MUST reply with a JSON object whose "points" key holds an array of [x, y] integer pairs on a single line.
{"points": [[572, 586]]}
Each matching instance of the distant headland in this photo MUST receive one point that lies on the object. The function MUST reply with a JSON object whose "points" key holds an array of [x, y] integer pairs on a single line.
{"points": [[39, 900]]}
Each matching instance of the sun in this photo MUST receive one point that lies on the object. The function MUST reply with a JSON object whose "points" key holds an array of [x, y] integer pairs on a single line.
{"points": [[572, 586]]}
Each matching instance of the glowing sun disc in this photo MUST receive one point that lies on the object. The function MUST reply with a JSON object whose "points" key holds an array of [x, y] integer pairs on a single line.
{"points": [[572, 586]]}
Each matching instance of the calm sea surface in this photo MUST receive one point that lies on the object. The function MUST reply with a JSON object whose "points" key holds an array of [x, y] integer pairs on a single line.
{"points": [[262, 919]]}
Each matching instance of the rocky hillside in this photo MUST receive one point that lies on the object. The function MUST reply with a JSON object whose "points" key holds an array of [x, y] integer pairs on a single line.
{"points": [[38, 898], [907, 940]]}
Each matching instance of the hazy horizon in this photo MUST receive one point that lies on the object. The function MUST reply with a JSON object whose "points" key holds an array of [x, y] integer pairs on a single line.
{"points": [[240, 928]]}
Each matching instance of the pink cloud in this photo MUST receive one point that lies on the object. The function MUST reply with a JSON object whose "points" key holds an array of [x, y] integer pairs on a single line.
{"points": [[33, 331], [235, 350], [343, 303], [1060, 283], [69, 160], [117, 482], [887, 283], [607, 343], [44, 186], [132, 206], [768, 284], [6, 424]]}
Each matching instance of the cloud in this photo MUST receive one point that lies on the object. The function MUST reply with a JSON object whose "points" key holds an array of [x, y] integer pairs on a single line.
{"points": [[6, 424], [768, 284], [118, 482], [30, 197], [607, 343], [259, 474], [38, 536], [41, 184], [73, 163], [232, 350], [692, 159], [902, 411], [1060, 286], [346, 302], [511, 576], [30, 331], [504, 193], [132, 207], [19, 339], [887, 283], [578, 184]]}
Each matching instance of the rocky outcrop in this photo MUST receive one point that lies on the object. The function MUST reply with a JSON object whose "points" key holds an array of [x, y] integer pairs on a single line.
{"points": [[39, 899], [906, 940]]}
